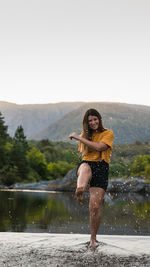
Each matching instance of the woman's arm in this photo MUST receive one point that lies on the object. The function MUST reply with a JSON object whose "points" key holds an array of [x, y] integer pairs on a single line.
{"points": [[100, 146]]}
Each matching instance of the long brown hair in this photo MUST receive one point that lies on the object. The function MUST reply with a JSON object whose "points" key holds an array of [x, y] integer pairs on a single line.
{"points": [[86, 130]]}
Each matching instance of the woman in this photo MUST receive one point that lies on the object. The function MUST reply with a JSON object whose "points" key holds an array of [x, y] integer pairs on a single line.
{"points": [[95, 144]]}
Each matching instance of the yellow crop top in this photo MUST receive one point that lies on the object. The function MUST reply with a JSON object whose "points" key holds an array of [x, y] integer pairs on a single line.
{"points": [[105, 137]]}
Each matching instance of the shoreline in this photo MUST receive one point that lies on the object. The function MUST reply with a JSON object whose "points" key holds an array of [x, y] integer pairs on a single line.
{"points": [[44, 249], [68, 184]]}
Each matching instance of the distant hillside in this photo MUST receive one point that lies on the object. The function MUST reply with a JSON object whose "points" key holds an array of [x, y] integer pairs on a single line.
{"points": [[56, 121], [34, 118], [129, 122]]}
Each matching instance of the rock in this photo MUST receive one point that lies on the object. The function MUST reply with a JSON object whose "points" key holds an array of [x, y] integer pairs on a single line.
{"points": [[3, 187], [68, 183], [133, 184]]}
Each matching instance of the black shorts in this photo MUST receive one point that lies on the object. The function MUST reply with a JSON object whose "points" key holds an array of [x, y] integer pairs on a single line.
{"points": [[100, 171]]}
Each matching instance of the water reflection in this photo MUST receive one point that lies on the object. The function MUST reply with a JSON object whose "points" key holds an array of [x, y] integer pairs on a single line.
{"points": [[60, 213]]}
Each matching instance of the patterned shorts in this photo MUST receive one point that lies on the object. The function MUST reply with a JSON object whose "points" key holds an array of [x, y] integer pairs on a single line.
{"points": [[100, 171]]}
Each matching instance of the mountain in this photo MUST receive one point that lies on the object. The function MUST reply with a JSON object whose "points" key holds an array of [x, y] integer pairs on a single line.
{"points": [[129, 122], [56, 121], [34, 118]]}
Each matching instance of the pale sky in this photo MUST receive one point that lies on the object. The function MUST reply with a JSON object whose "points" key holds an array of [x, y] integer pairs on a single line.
{"points": [[75, 50]]}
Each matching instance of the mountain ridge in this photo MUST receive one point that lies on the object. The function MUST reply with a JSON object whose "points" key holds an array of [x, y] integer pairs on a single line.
{"points": [[123, 119], [33, 117], [55, 121]]}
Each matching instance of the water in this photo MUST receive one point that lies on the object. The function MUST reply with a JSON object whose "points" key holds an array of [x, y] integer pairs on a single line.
{"points": [[127, 214]]}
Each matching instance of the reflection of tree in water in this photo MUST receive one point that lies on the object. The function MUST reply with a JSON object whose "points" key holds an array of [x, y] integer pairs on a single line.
{"points": [[129, 213], [20, 209], [142, 210], [60, 212], [4, 213]]}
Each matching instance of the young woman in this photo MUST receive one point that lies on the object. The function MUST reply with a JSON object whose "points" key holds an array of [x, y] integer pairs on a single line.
{"points": [[95, 144]]}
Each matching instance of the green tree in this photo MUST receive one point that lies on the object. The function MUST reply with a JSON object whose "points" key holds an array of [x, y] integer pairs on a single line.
{"points": [[119, 169], [37, 161], [3, 130], [51, 154], [140, 166], [70, 156], [19, 152], [59, 169], [44, 143], [11, 176], [147, 171], [3, 139], [19, 137]]}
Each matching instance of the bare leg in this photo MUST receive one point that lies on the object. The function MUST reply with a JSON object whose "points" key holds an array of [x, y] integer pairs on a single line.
{"points": [[84, 176], [95, 203]]}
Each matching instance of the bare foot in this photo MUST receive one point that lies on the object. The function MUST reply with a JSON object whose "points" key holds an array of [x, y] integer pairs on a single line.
{"points": [[93, 244], [79, 194]]}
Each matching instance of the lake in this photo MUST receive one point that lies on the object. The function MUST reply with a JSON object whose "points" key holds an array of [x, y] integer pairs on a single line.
{"points": [[57, 212]]}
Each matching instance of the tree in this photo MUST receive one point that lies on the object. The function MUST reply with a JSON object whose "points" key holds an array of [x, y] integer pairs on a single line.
{"points": [[59, 169], [10, 176], [3, 130], [19, 152], [3, 139], [119, 169], [137, 142], [37, 162], [20, 138], [140, 166]]}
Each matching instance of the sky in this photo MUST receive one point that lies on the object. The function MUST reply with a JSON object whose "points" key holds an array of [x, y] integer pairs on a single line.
{"points": [[75, 50]]}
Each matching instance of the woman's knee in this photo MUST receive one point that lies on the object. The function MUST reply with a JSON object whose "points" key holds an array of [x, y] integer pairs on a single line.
{"points": [[84, 169]]}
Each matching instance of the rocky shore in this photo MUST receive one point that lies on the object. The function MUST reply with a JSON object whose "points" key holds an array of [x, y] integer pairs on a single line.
{"points": [[56, 250], [68, 183]]}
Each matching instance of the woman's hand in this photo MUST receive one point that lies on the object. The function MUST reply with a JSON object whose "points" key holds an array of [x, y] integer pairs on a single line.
{"points": [[74, 136]]}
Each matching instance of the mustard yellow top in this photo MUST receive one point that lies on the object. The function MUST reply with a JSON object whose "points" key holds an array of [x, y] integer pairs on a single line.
{"points": [[105, 137]]}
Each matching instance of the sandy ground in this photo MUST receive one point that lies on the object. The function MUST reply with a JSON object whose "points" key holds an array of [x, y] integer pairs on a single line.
{"points": [[43, 249]]}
